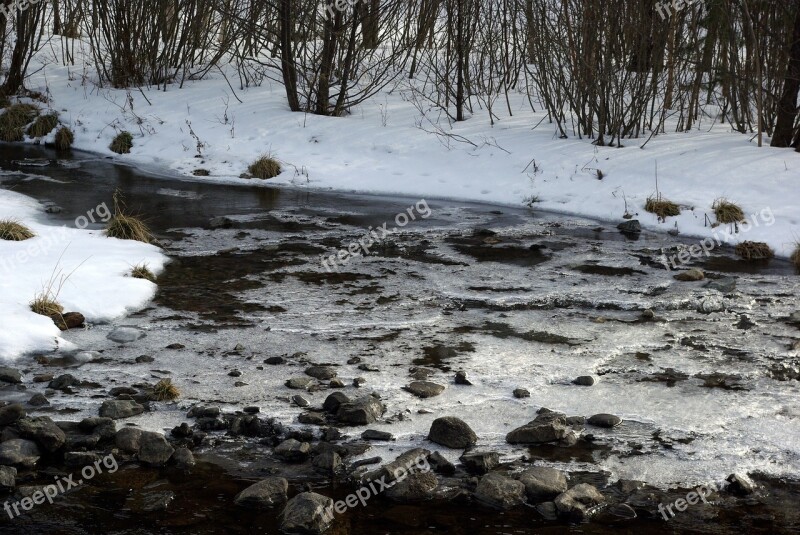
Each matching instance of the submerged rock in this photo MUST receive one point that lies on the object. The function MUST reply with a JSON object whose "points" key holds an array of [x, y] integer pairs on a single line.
{"points": [[579, 501], [543, 483], [604, 420], [424, 389], [308, 512], [415, 487], [267, 493], [124, 335], [19, 452], [500, 492], [44, 431]]}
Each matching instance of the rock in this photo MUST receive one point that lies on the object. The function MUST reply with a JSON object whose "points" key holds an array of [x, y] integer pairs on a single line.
{"points": [[308, 512], [183, 458], [424, 389], [203, 411], [440, 464], [576, 421], [415, 487], [312, 418], [408, 462], [143, 503], [10, 375], [336, 383], [578, 501], [61, 382], [480, 462], [274, 361], [521, 393], [616, 513], [19, 452], [80, 458], [300, 401], [128, 439], [461, 379], [359, 381], [124, 335], [43, 378], [44, 431], [11, 413], [724, 285], [182, 431], [175, 346], [234, 373], [500, 492], [630, 227], [542, 483], [648, 315], [121, 408], [267, 493], [322, 373], [452, 432], [299, 383], [604, 420], [122, 391], [584, 380], [362, 411], [690, 275], [548, 511], [154, 449], [368, 368], [8, 475], [547, 427], [144, 359], [327, 462], [374, 434], [711, 304], [293, 451], [334, 401], [251, 410], [740, 484], [220, 222], [68, 320]]}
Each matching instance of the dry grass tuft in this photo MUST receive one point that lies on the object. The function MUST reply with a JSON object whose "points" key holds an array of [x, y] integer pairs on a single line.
{"points": [[11, 230], [164, 390], [45, 304], [663, 208], [43, 125], [265, 168], [127, 227], [141, 271], [64, 138], [795, 258], [727, 212], [122, 144], [753, 250], [14, 120]]}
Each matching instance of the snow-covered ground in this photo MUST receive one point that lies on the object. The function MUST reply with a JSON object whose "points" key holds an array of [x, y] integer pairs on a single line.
{"points": [[380, 148], [86, 271]]}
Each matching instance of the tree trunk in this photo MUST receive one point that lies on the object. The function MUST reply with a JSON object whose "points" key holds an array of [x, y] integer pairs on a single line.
{"points": [[288, 68], [785, 135]]}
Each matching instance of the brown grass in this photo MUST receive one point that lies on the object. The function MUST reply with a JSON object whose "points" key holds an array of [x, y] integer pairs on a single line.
{"points": [[46, 305], [164, 390], [43, 125], [752, 250], [122, 144], [12, 230], [64, 138], [265, 168], [727, 212], [663, 208], [14, 120], [141, 271], [795, 258], [127, 227]]}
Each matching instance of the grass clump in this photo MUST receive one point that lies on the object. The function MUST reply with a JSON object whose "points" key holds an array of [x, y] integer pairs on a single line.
{"points": [[164, 390], [122, 143], [265, 168], [64, 138], [141, 271], [727, 212], [11, 230], [45, 304], [795, 258], [127, 227], [663, 208], [753, 250], [14, 119], [43, 125]]}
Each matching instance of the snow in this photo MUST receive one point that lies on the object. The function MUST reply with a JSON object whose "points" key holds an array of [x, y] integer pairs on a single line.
{"points": [[90, 269], [381, 149]]}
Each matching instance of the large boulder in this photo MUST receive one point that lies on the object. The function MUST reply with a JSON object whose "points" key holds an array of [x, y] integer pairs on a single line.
{"points": [[293, 451], [44, 431], [120, 408], [604, 420], [19, 452], [362, 411], [266, 493], [11, 413], [424, 389], [154, 449], [128, 439], [452, 432], [579, 501], [8, 476], [543, 484], [415, 487], [500, 492], [547, 427], [308, 512], [10, 375]]}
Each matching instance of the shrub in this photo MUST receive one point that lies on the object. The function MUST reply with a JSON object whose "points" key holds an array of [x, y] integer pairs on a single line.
{"points": [[164, 390], [141, 271], [127, 227], [265, 168], [14, 231], [14, 119], [752, 250], [662, 207], [727, 212], [122, 144], [43, 125], [64, 138]]}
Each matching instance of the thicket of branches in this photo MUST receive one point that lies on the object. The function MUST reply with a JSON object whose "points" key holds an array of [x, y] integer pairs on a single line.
{"points": [[606, 70]]}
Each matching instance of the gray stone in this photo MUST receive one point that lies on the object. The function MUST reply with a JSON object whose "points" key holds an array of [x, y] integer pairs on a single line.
{"points": [[440, 464], [690, 275], [8, 475], [38, 400], [521, 393], [308, 512], [542, 483], [300, 401], [409, 462], [480, 462], [154, 449], [584, 380], [10, 375], [579, 501], [724, 285], [461, 379], [80, 458], [711, 304], [183, 458], [44, 431], [604, 420], [500, 492], [128, 439], [63, 381], [362, 411], [630, 227], [424, 389], [327, 462], [124, 335], [334, 401], [323, 373], [267, 493], [452, 432], [415, 487], [740, 484], [11, 413], [374, 434], [19, 452], [120, 408], [293, 451], [299, 383], [547, 427]]}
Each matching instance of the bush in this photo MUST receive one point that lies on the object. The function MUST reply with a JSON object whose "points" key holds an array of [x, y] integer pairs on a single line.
{"points": [[64, 138], [122, 144], [662, 207], [43, 125], [727, 212], [265, 168], [14, 119], [11, 230], [164, 390]]}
